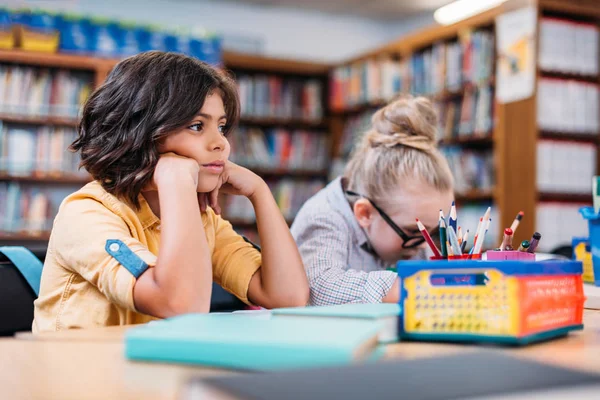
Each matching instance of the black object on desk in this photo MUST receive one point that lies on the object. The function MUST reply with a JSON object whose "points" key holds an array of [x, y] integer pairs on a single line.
{"points": [[464, 375]]}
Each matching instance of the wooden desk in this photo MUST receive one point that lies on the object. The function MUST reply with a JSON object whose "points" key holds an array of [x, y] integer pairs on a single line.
{"points": [[90, 364]]}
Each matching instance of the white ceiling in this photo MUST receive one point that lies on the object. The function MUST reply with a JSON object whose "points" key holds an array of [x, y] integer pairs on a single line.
{"points": [[376, 9]]}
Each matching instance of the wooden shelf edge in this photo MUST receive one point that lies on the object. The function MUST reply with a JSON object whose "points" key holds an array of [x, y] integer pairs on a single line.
{"points": [[475, 195], [569, 137], [594, 79], [36, 120], [243, 61], [22, 236], [321, 124], [565, 197], [55, 60], [55, 179]]}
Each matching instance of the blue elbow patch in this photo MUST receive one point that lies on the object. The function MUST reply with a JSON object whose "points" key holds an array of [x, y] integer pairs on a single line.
{"points": [[127, 258]]}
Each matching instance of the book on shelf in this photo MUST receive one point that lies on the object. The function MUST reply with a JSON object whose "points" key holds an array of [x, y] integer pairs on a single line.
{"points": [[568, 106], [472, 170], [41, 92], [449, 66], [37, 151], [290, 195], [366, 82], [568, 46], [269, 96], [280, 149], [469, 115], [30, 209], [565, 167], [559, 223]]}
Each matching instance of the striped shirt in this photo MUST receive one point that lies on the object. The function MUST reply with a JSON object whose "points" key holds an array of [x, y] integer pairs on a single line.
{"points": [[339, 264]]}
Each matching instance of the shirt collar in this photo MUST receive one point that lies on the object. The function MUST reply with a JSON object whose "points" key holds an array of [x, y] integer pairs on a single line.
{"points": [[337, 197], [145, 214]]}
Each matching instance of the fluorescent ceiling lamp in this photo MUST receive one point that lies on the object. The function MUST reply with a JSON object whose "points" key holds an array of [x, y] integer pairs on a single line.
{"points": [[461, 9]]}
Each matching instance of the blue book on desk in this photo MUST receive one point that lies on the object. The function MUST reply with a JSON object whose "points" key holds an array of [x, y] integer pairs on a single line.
{"points": [[384, 315], [243, 342]]}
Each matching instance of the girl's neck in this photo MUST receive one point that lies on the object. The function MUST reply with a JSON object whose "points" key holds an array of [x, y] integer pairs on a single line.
{"points": [[153, 202]]}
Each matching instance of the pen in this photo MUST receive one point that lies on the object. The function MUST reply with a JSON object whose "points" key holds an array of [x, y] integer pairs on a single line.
{"points": [[524, 245]]}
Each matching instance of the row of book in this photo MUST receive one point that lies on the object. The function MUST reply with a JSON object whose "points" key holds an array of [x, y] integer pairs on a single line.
{"points": [[37, 150], [569, 47], [30, 208], [28, 91], [565, 167], [472, 170], [558, 223], [568, 106], [290, 195], [446, 66], [280, 149], [469, 115], [264, 96]]}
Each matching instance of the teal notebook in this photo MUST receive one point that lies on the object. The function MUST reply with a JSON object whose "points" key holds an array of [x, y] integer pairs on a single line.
{"points": [[383, 315], [243, 342]]}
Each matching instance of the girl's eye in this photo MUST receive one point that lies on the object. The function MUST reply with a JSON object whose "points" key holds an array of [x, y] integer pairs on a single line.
{"points": [[224, 129], [196, 127]]}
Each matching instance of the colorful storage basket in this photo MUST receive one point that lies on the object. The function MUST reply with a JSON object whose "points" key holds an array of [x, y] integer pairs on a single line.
{"points": [[512, 302]]}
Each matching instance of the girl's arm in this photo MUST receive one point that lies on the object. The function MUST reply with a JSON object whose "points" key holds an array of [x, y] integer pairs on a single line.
{"points": [[181, 281], [281, 281]]}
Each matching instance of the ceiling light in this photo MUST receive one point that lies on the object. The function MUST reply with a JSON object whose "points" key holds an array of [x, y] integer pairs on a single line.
{"points": [[461, 9]]}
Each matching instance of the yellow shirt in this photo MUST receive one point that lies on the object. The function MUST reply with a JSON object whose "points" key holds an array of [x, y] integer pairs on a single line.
{"points": [[84, 286]]}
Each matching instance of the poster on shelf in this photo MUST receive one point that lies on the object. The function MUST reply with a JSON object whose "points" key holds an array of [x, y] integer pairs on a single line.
{"points": [[515, 64]]}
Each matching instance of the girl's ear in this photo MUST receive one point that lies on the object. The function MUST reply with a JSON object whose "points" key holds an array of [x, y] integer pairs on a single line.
{"points": [[363, 212]]}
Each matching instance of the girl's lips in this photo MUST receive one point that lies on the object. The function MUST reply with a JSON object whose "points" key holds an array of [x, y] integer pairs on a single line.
{"points": [[216, 167]]}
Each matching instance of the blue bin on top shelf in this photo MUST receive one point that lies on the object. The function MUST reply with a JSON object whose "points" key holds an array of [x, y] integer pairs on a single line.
{"points": [[593, 219]]}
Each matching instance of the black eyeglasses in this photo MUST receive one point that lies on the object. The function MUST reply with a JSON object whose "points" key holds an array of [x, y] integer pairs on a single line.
{"points": [[408, 240]]}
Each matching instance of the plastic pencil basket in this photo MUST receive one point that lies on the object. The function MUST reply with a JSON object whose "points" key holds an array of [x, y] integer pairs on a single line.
{"points": [[591, 257], [505, 302]]}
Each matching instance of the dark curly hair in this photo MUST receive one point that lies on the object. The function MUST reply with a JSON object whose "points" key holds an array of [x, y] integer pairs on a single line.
{"points": [[145, 98]]}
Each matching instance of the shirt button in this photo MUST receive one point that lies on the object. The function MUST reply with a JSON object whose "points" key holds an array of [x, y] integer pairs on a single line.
{"points": [[114, 247]]}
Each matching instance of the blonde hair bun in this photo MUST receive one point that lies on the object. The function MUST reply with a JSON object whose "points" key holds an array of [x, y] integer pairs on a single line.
{"points": [[408, 121]]}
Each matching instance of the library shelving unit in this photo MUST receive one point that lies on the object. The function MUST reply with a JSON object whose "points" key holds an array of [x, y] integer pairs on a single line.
{"points": [[96, 70], [513, 135]]}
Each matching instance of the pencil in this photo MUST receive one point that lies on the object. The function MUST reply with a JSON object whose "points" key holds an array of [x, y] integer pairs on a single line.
{"points": [[454, 242], [507, 240], [443, 237], [452, 217], [463, 245], [516, 221], [428, 239], [477, 232], [481, 237], [459, 235]]}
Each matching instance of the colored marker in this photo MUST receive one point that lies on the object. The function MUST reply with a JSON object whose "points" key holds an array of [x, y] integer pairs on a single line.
{"points": [[454, 242], [507, 240], [428, 239], [524, 245], [533, 243], [516, 221], [443, 237], [452, 217]]}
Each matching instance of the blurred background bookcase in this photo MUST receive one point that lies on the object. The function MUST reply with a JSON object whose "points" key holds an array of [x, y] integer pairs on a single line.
{"points": [[299, 121], [283, 114], [512, 156]]}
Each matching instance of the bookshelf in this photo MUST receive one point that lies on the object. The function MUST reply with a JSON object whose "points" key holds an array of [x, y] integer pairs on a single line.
{"points": [[513, 137], [308, 122]]}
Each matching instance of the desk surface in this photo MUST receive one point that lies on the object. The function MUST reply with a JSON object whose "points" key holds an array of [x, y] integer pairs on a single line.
{"points": [[90, 363]]}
